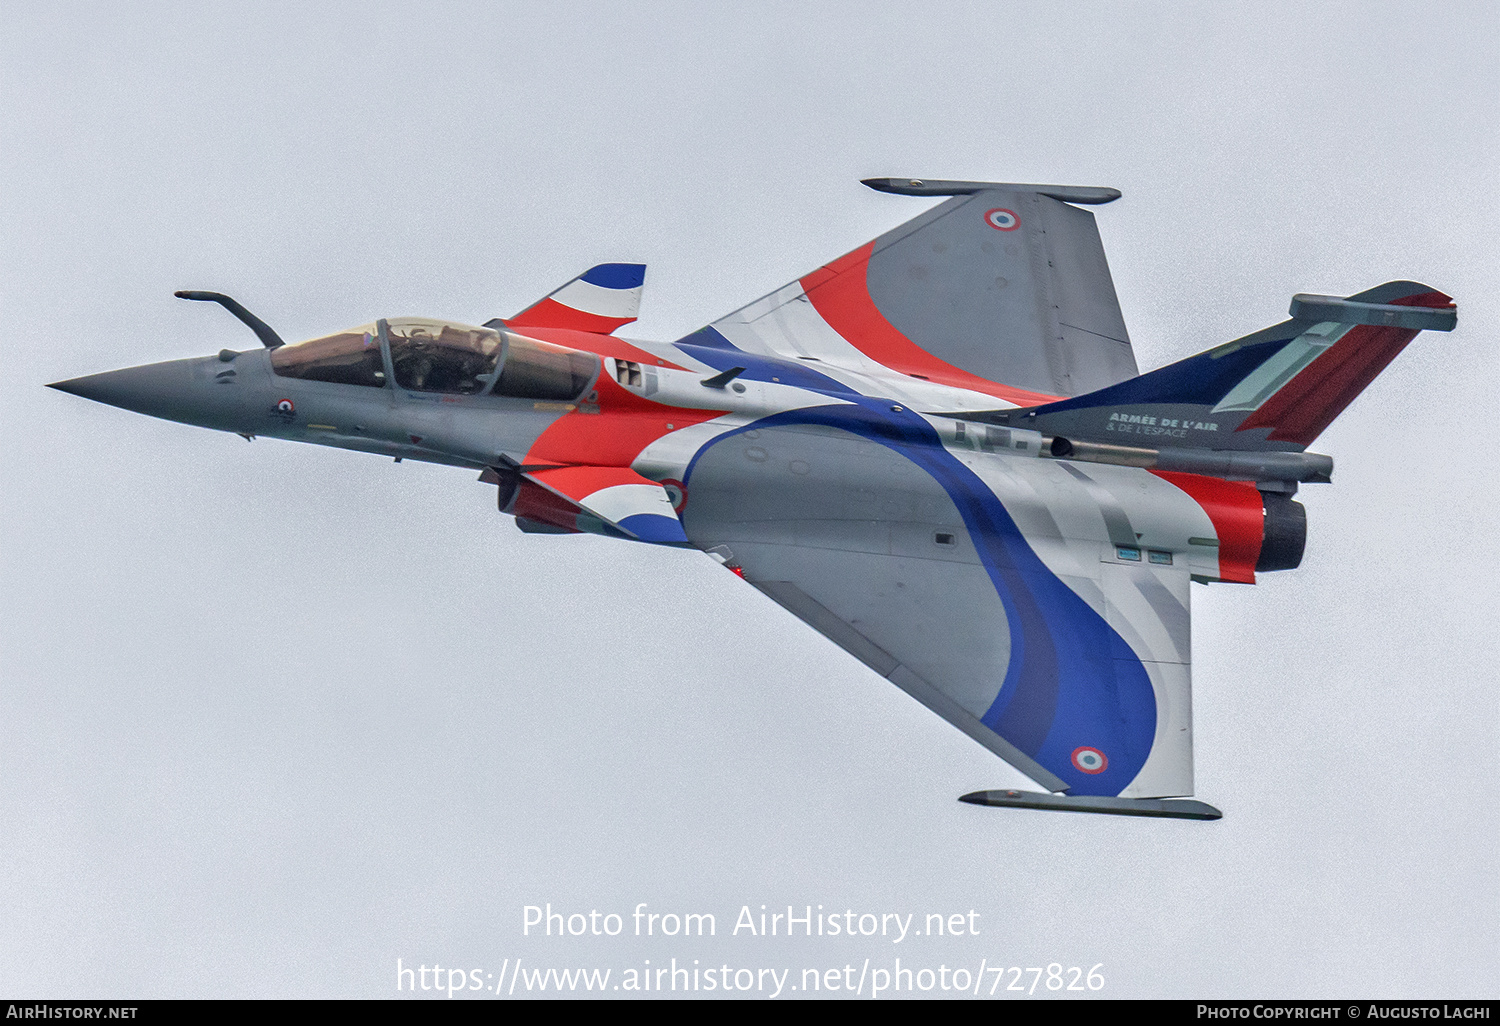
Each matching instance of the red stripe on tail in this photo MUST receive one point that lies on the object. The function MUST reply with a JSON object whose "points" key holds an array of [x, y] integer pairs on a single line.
{"points": [[549, 313], [1307, 404]]}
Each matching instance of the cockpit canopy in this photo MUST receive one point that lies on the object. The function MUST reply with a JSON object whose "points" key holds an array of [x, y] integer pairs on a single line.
{"points": [[437, 356], [347, 358], [441, 356]]}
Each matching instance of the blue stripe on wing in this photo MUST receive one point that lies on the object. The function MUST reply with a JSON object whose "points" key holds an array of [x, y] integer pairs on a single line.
{"points": [[1072, 680]]}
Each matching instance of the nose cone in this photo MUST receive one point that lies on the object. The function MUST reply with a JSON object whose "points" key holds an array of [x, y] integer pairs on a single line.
{"points": [[187, 391], [157, 389]]}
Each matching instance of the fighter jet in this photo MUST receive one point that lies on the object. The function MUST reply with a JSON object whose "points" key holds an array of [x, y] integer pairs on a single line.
{"points": [[936, 450]]}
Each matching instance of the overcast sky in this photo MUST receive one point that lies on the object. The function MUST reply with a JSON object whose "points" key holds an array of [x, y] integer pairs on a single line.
{"points": [[274, 716]]}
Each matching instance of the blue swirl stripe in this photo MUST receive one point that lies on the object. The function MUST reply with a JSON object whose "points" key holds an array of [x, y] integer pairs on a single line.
{"points": [[1072, 681]]}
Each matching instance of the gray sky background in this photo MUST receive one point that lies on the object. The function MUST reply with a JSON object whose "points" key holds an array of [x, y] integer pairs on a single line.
{"points": [[273, 716]]}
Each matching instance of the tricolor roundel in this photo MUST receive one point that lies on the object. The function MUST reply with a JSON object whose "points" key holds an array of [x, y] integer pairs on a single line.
{"points": [[1002, 219], [1089, 760]]}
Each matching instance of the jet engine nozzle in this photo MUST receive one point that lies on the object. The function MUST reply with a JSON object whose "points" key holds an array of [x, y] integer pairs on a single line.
{"points": [[1285, 533]]}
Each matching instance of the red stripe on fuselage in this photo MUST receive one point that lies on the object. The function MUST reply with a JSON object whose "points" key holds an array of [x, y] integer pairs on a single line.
{"points": [[839, 293], [1238, 516], [614, 436]]}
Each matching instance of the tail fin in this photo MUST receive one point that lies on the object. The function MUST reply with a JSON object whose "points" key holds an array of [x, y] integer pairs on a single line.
{"points": [[602, 299], [1274, 390]]}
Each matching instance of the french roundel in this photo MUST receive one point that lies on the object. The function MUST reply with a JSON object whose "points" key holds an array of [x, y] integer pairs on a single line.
{"points": [[1002, 219], [676, 492], [285, 406], [1090, 760]]}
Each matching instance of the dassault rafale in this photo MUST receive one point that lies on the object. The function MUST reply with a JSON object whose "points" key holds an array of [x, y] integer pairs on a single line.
{"points": [[936, 450]]}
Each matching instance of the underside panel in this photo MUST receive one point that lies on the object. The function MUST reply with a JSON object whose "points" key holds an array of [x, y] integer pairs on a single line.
{"points": [[899, 553]]}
